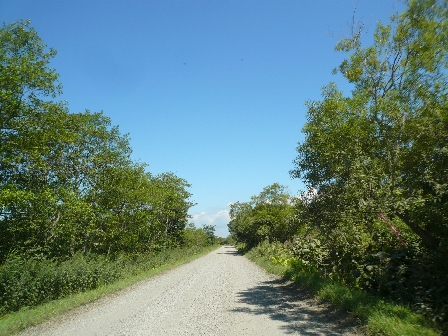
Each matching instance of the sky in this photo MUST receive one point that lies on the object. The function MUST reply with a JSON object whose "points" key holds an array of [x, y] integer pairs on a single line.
{"points": [[213, 91]]}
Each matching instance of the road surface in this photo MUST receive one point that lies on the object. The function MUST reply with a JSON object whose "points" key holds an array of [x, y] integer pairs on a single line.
{"points": [[222, 293]]}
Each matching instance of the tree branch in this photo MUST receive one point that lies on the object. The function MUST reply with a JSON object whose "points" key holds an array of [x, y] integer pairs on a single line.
{"points": [[428, 240]]}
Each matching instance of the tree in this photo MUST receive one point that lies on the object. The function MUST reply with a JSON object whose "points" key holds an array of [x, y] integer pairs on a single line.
{"points": [[384, 149], [170, 201], [268, 216], [25, 82], [67, 182], [209, 230], [194, 237]]}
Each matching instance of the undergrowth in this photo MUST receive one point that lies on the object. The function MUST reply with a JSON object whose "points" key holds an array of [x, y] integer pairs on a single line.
{"points": [[28, 283], [380, 317], [14, 322]]}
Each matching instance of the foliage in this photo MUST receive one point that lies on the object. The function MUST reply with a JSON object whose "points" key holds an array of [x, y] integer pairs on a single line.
{"points": [[29, 282], [204, 236], [209, 230], [14, 322], [67, 182], [378, 162], [267, 216], [379, 317], [226, 241], [383, 150], [375, 216]]}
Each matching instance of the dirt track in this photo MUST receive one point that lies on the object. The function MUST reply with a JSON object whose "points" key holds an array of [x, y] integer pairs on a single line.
{"points": [[222, 293]]}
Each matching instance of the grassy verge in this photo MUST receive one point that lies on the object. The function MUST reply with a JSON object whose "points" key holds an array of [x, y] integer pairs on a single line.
{"points": [[378, 316], [17, 321]]}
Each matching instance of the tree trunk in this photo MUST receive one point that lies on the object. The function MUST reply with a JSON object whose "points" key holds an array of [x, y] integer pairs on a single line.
{"points": [[428, 239]]}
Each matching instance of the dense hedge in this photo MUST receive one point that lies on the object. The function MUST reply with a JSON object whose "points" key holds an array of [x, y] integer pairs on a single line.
{"points": [[27, 283], [379, 316]]}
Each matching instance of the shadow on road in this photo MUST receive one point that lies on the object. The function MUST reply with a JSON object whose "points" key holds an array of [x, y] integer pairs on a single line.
{"points": [[230, 250], [235, 253], [286, 302]]}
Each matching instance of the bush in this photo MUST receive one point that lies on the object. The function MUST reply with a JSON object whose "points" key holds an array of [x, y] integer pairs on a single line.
{"points": [[30, 282], [382, 317]]}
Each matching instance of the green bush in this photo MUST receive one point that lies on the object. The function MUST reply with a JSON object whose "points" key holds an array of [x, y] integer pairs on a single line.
{"points": [[226, 241], [351, 265], [381, 317], [30, 282], [411, 275]]}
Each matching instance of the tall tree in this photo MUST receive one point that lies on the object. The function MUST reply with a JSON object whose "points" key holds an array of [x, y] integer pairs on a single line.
{"points": [[26, 80], [170, 201], [67, 182], [384, 149]]}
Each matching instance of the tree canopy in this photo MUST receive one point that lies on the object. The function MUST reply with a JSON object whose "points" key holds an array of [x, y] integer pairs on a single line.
{"points": [[67, 181], [267, 216], [384, 148]]}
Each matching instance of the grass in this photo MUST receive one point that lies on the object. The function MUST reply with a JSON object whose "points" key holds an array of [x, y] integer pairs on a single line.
{"points": [[27, 317], [378, 316]]}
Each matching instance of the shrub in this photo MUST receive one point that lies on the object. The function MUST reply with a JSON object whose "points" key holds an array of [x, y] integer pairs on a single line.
{"points": [[30, 282]]}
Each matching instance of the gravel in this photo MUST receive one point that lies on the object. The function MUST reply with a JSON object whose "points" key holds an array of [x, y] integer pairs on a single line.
{"points": [[222, 293]]}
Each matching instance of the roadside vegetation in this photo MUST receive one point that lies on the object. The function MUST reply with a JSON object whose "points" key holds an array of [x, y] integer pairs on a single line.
{"points": [[377, 315], [76, 212], [111, 276], [371, 231], [27, 282]]}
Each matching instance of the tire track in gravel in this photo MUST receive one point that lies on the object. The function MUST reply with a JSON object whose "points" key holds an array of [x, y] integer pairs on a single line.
{"points": [[222, 293]]}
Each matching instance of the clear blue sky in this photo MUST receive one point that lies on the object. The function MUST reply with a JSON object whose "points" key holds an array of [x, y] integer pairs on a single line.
{"points": [[213, 91]]}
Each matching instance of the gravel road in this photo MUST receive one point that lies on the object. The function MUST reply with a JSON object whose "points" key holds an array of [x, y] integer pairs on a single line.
{"points": [[222, 293]]}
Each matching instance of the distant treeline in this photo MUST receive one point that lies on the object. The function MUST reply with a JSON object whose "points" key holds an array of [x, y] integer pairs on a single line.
{"points": [[67, 182], [376, 164]]}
